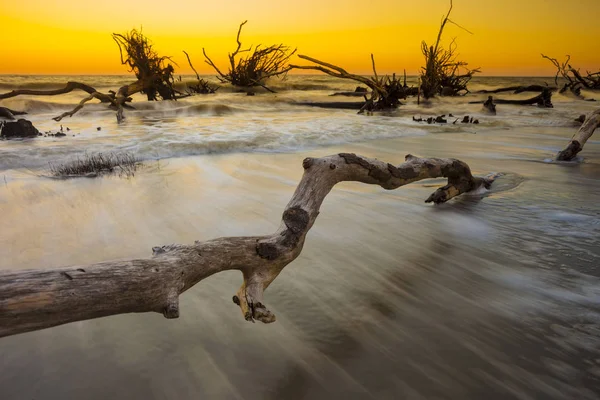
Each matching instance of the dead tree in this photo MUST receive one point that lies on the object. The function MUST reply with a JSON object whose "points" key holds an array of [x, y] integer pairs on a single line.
{"points": [[592, 121], [263, 63], [202, 86], [575, 81], [38, 299], [154, 78], [386, 91], [443, 73]]}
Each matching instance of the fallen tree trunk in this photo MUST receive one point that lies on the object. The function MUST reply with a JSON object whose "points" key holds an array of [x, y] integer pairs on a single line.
{"points": [[38, 299], [576, 144], [520, 89], [543, 99]]}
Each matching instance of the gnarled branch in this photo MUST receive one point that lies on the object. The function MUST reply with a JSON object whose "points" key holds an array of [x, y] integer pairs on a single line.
{"points": [[386, 91], [38, 299]]}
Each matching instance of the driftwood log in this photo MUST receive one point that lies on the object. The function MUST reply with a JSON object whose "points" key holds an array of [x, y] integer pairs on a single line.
{"points": [[38, 299], [520, 89], [117, 100], [543, 99], [576, 144]]}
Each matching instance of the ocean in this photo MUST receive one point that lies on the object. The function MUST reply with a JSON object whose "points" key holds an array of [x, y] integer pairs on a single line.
{"points": [[492, 296]]}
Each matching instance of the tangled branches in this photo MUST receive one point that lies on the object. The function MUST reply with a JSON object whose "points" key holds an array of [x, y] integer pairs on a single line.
{"points": [[255, 69], [386, 91], [575, 81], [136, 51], [442, 72]]}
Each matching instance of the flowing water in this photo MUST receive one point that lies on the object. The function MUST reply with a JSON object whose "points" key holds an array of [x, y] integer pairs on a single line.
{"points": [[494, 295]]}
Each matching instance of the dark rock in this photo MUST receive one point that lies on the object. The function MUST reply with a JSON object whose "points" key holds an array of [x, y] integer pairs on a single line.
{"points": [[60, 134], [360, 90], [18, 129], [580, 119], [465, 120], [98, 128]]}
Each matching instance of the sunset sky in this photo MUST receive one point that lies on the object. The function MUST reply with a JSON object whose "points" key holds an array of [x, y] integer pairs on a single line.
{"points": [[73, 36]]}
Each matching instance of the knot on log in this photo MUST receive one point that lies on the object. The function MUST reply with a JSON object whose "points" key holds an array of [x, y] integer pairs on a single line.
{"points": [[307, 162], [268, 251], [296, 219]]}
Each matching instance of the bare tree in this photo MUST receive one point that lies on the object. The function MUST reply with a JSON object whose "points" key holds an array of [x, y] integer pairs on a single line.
{"points": [[443, 73], [261, 64], [575, 80]]}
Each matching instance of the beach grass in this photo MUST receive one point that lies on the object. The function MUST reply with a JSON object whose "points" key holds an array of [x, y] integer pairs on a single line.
{"points": [[92, 165]]}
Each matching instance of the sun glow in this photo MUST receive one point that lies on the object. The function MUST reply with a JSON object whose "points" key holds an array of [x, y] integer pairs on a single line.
{"points": [[74, 36]]}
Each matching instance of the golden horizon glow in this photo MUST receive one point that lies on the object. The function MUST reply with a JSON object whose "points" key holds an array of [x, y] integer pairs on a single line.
{"points": [[74, 36]]}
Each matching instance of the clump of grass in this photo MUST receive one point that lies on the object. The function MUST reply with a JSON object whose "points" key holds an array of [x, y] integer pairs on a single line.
{"points": [[91, 165]]}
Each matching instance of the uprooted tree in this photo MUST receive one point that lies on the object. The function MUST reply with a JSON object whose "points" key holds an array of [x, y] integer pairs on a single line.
{"points": [[154, 78], [38, 299], [261, 64], [443, 74], [147, 65], [591, 122], [575, 80], [386, 91]]}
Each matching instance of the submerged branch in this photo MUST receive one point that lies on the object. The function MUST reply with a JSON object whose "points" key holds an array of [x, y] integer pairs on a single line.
{"points": [[576, 144]]}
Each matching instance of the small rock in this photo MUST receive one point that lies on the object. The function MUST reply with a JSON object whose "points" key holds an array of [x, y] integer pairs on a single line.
{"points": [[98, 128]]}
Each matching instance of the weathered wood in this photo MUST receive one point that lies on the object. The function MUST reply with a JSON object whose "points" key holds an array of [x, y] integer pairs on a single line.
{"points": [[69, 87], [386, 91], [38, 299], [10, 114], [575, 81], [543, 99], [253, 70], [440, 75], [520, 89], [576, 144]]}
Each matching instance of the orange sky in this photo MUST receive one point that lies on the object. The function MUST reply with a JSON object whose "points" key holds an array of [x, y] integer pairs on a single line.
{"points": [[73, 36]]}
